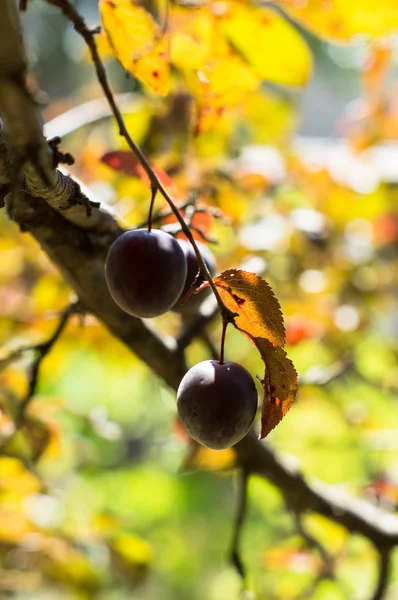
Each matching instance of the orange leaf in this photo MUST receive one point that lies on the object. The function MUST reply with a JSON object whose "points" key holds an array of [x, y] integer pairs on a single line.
{"points": [[280, 386], [259, 318], [259, 312]]}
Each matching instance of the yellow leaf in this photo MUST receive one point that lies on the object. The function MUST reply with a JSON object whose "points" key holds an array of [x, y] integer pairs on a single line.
{"points": [[193, 40], [272, 46], [340, 20], [217, 88], [137, 42], [186, 53]]}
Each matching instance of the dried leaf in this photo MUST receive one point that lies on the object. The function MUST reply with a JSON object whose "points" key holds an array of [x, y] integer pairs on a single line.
{"points": [[260, 319], [137, 42], [271, 45]]}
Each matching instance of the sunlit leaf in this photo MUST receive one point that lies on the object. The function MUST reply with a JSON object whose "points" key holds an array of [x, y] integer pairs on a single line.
{"points": [[260, 319], [259, 312], [280, 386], [137, 42], [270, 44], [218, 90], [186, 53], [341, 20], [193, 41]]}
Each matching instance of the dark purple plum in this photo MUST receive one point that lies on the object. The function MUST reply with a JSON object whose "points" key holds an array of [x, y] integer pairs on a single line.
{"points": [[193, 303], [217, 403], [145, 272]]}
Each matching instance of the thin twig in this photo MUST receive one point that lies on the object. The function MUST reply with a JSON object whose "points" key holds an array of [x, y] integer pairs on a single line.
{"points": [[238, 525], [80, 26], [42, 351], [384, 573], [175, 229], [329, 568]]}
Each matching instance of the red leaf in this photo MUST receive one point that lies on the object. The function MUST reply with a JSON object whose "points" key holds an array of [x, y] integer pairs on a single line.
{"points": [[124, 161]]}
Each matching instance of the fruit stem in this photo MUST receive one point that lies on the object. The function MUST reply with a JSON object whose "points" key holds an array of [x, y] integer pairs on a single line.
{"points": [[154, 191], [89, 37], [224, 331]]}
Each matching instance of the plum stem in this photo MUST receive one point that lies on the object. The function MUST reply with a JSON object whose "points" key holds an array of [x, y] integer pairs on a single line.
{"points": [[154, 191], [224, 331], [89, 37]]}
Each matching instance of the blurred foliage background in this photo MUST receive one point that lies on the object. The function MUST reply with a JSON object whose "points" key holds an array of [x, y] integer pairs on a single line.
{"points": [[100, 495]]}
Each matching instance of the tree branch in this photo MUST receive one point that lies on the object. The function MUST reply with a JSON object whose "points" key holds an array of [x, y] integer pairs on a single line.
{"points": [[356, 515], [238, 525], [41, 352], [156, 185], [80, 256], [312, 542], [23, 146], [384, 573]]}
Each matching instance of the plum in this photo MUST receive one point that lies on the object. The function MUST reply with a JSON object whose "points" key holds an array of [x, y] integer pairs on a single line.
{"points": [[217, 403], [145, 272]]}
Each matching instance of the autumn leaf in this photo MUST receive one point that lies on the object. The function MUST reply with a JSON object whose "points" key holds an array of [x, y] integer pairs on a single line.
{"points": [[193, 40], [260, 319], [259, 312], [340, 20], [271, 45], [222, 84], [280, 386], [125, 162], [137, 42]]}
